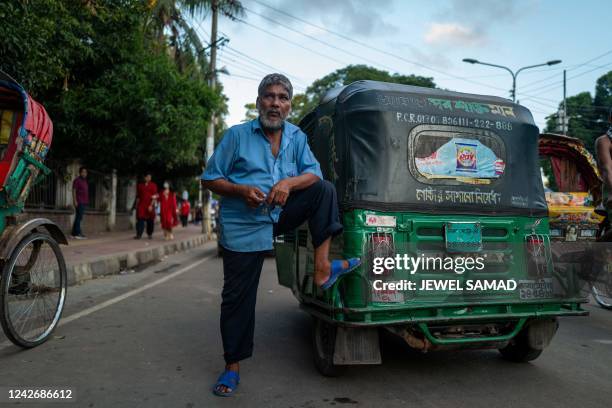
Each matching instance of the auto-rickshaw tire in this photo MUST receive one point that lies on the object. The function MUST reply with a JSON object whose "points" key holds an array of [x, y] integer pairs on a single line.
{"points": [[519, 350], [323, 345]]}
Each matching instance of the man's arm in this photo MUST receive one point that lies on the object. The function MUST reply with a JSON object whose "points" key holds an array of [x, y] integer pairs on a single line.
{"points": [[252, 195], [281, 190], [604, 159]]}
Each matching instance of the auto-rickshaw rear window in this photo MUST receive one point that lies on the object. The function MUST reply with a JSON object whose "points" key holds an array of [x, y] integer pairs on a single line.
{"points": [[456, 156]]}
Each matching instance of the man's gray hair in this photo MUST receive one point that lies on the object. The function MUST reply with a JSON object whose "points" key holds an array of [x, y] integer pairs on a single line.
{"points": [[275, 79]]}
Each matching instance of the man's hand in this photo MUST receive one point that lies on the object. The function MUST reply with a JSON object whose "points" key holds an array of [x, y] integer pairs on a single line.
{"points": [[280, 192], [252, 195]]}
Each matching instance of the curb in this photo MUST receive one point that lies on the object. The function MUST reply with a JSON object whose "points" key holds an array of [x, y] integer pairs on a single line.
{"points": [[113, 264]]}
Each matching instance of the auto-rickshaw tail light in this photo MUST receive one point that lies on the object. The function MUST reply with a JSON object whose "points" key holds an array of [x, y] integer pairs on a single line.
{"points": [[381, 245], [539, 253]]}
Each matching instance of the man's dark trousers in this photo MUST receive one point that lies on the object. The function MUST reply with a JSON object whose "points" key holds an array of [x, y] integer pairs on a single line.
{"points": [[78, 217], [140, 225], [316, 204]]}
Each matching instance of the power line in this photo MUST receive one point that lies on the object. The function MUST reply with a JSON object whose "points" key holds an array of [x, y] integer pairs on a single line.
{"points": [[293, 78], [200, 28], [568, 69], [382, 51], [244, 61], [327, 44], [546, 88], [237, 66], [291, 42]]}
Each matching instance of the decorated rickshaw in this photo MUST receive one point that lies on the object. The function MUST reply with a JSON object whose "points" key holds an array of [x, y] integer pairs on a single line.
{"points": [[34, 279]]}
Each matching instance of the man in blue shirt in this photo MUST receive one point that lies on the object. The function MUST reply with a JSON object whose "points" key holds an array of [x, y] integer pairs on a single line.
{"points": [[270, 183]]}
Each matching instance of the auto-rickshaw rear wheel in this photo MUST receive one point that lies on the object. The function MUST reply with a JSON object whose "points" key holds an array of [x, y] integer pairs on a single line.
{"points": [[323, 345], [519, 350]]}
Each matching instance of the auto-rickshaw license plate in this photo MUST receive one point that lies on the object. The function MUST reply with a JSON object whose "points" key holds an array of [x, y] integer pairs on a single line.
{"points": [[463, 236]]}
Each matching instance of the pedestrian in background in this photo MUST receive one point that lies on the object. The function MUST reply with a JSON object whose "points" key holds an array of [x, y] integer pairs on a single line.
{"points": [[168, 211], [80, 199], [198, 216], [146, 196], [185, 210]]}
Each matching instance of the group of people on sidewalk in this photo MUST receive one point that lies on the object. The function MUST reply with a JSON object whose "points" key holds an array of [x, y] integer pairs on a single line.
{"points": [[148, 199]]}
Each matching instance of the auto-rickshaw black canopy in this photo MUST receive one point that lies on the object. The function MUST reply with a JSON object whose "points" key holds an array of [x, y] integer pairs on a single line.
{"points": [[392, 147]]}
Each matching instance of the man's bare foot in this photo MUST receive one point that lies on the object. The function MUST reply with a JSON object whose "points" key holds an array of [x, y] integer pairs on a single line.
{"points": [[229, 367], [323, 270]]}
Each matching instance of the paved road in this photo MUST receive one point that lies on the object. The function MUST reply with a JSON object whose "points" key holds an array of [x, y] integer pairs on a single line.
{"points": [[160, 347]]}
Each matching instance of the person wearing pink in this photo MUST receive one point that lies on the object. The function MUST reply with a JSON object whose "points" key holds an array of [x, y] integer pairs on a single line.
{"points": [[168, 212]]}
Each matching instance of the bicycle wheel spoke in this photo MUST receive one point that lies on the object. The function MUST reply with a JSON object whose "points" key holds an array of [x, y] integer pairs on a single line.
{"points": [[34, 291]]}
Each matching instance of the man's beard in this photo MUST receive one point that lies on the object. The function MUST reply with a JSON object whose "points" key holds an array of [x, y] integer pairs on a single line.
{"points": [[273, 124]]}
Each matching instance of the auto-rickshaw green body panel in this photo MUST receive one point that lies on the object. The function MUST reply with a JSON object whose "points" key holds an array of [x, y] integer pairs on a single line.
{"points": [[410, 164]]}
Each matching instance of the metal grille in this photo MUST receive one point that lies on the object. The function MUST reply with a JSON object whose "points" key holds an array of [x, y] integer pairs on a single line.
{"points": [[98, 182], [44, 195], [122, 194]]}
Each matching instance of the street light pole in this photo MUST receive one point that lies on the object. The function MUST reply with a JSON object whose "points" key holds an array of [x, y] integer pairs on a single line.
{"points": [[513, 73]]}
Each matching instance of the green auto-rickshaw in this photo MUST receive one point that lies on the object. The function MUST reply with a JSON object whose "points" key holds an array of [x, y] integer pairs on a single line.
{"points": [[427, 173]]}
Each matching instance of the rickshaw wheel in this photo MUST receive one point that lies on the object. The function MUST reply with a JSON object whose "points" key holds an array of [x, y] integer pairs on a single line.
{"points": [[519, 350], [32, 290], [323, 345]]}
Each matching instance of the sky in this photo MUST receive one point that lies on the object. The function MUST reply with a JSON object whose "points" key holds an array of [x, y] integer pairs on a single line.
{"points": [[308, 39]]}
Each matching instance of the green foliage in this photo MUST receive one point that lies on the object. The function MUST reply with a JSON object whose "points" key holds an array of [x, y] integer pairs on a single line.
{"points": [[588, 115], [304, 103], [251, 112], [43, 40], [118, 98], [141, 114]]}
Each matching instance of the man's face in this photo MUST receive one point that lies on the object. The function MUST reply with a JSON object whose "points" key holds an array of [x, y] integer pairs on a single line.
{"points": [[274, 107], [83, 173], [147, 178]]}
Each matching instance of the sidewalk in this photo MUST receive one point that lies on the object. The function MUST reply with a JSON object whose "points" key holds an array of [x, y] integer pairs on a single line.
{"points": [[113, 252]]}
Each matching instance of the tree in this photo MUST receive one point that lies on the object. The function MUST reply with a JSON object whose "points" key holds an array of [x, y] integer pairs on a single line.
{"points": [[115, 99], [169, 28], [251, 112], [304, 103], [588, 115]]}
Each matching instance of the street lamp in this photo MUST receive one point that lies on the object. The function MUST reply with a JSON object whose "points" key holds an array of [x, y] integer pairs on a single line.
{"points": [[514, 74]]}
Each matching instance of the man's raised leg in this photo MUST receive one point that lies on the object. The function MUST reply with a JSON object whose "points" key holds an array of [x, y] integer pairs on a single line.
{"points": [[318, 205]]}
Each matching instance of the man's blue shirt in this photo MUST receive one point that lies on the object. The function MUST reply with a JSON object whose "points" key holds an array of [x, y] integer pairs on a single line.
{"points": [[244, 156]]}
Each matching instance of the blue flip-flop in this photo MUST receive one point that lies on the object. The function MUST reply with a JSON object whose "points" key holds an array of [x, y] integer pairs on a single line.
{"points": [[338, 270], [228, 378]]}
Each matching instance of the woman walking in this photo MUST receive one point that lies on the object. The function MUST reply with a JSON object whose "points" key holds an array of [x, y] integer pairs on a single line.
{"points": [[168, 212], [185, 210]]}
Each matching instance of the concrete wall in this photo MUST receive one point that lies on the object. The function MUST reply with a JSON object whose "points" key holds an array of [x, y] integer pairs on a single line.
{"points": [[94, 221]]}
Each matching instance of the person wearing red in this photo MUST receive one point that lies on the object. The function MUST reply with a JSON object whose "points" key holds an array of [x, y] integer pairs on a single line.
{"points": [[168, 211], [185, 210], [146, 196]]}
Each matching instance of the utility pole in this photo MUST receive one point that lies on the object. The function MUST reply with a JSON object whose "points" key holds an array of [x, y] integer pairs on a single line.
{"points": [[210, 136], [565, 118]]}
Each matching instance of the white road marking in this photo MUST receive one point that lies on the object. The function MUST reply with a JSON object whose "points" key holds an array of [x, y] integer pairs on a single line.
{"points": [[110, 302]]}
